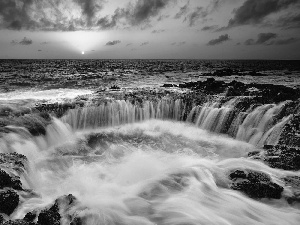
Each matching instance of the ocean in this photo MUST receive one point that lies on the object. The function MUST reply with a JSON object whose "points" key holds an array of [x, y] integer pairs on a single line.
{"points": [[168, 142]]}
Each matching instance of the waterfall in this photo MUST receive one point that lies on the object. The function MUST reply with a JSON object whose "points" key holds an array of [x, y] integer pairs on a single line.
{"points": [[256, 126], [121, 112]]}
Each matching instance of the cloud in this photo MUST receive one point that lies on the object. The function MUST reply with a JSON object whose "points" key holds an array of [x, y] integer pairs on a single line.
{"points": [[249, 42], [289, 21], [129, 44], [24, 41], [255, 11], [115, 42], [157, 31], [198, 13], [182, 11], [262, 39], [89, 9], [208, 28], [145, 43], [49, 15], [181, 43], [219, 40], [143, 10], [39, 50], [286, 41], [174, 43]]}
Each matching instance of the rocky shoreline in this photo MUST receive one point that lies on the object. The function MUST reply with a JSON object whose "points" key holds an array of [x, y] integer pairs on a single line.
{"points": [[255, 184]]}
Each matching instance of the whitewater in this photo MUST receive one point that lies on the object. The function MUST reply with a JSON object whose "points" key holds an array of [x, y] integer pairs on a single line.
{"points": [[143, 164]]}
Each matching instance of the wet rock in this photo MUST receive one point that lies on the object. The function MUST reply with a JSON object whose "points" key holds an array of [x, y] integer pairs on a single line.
{"points": [[291, 132], [255, 184], [9, 201], [11, 181], [13, 161], [294, 183], [18, 222], [49, 216], [279, 156], [52, 216]]}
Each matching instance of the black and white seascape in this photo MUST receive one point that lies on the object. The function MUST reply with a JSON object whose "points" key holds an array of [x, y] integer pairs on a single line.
{"points": [[149, 112]]}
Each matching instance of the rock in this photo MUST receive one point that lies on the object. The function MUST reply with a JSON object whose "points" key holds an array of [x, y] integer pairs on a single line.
{"points": [[255, 184], [279, 156], [13, 161], [52, 215], [291, 132], [9, 201], [9, 181], [18, 222], [294, 183], [49, 216]]}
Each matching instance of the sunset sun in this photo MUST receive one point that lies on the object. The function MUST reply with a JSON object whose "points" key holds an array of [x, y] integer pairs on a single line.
{"points": [[82, 52]]}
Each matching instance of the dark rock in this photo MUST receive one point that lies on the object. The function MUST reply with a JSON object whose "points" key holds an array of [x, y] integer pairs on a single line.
{"points": [[9, 181], [18, 222], [291, 132], [280, 156], [52, 215], [49, 216], [9, 201], [13, 161], [255, 184]]}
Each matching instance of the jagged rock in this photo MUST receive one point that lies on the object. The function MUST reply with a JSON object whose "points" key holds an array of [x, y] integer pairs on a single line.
{"points": [[279, 156], [49, 216], [13, 161], [291, 132], [294, 183], [254, 184], [9, 201], [18, 222], [11, 181], [52, 215]]}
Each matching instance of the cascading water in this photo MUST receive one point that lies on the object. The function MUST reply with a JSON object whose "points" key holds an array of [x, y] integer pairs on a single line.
{"points": [[129, 164], [256, 127]]}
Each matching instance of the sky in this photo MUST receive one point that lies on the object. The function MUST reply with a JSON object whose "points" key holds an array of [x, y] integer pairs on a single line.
{"points": [[156, 29]]}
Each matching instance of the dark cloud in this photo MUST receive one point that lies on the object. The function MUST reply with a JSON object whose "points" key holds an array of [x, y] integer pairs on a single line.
{"points": [[208, 28], [182, 11], [198, 13], [219, 40], [254, 11], [289, 21], [174, 43], [286, 41], [89, 9], [262, 39], [39, 50], [115, 42], [49, 15], [181, 43], [143, 10], [24, 41], [145, 43], [157, 31], [249, 42], [128, 44]]}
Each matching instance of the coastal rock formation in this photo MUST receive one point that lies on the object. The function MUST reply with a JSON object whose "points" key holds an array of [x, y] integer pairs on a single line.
{"points": [[279, 156], [254, 184]]}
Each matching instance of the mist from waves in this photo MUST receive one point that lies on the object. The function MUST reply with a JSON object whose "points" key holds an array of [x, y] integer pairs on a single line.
{"points": [[151, 172]]}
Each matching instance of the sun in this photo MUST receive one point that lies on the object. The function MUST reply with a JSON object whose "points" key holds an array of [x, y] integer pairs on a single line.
{"points": [[82, 52]]}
